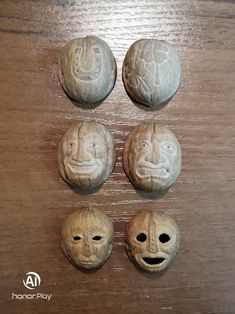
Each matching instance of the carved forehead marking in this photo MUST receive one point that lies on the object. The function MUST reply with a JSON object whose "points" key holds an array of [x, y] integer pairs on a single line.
{"points": [[150, 130], [88, 217], [152, 231], [85, 128]]}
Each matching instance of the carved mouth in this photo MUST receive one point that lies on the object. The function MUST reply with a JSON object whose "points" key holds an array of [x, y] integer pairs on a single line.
{"points": [[147, 171], [82, 167], [153, 261], [87, 262]]}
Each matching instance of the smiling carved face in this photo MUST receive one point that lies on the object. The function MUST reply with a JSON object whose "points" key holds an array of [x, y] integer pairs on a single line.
{"points": [[152, 241], [152, 157], [87, 238], [86, 155]]}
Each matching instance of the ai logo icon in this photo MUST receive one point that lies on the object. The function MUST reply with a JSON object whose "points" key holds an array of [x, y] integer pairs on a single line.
{"points": [[31, 280]]}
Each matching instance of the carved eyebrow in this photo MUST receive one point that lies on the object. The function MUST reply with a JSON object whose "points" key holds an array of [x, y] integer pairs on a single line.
{"points": [[91, 137], [70, 140], [167, 142], [97, 229], [142, 139]]}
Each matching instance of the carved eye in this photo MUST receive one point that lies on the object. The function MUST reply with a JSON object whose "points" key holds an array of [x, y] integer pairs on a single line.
{"points": [[143, 144], [97, 238], [163, 238], [169, 147], [71, 144], [76, 238], [141, 237], [98, 147]]}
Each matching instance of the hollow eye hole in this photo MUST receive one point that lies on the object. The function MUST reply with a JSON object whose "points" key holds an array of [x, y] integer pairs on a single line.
{"points": [[141, 237], [76, 238], [163, 238], [97, 238]]}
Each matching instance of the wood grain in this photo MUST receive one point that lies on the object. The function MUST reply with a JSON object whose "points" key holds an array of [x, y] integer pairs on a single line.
{"points": [[34, 114]]}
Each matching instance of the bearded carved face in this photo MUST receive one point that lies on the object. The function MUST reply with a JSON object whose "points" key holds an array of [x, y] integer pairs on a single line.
{"points": [[152, 241], [152, 157], [86, 155], [87, 238]]}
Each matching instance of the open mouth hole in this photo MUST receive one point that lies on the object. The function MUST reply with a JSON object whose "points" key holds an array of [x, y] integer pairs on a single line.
{"points": [[153, 261]]}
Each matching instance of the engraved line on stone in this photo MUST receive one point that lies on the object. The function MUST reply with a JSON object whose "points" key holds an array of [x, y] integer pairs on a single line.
{"points": [[80, 68]]}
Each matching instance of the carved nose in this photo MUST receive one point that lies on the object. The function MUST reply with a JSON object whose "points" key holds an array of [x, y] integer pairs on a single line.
{"points": [[87, 249], [154, 156], [81, 154], [153, 246]]}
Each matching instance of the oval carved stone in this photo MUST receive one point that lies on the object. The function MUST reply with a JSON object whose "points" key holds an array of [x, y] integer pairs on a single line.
{"points": [[152, 241], [87, 238], [151, 71], [152, 157], [87, 69], [86, 155]]}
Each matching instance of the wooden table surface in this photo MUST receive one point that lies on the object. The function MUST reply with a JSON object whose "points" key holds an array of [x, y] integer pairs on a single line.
{"points": [[34, 114]]}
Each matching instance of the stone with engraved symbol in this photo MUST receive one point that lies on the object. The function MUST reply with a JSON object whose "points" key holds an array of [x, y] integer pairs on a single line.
{"points": [[87, 69], [151, 71]]}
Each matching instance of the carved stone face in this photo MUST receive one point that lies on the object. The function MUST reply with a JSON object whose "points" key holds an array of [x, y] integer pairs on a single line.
{"points": [[152, 241], [87, 69], [87, 238], [151, 71], [86, 155], [152, 157]]}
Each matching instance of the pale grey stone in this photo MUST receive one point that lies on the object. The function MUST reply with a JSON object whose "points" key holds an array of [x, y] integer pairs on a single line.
{"points": [[151, 71], [87, 69]]}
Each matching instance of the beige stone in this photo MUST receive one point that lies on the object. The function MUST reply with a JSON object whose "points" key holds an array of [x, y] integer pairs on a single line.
{"points": [[152, 157], [151, 71], [87, 238], [86, 155], [152, 241], [87, 69]]}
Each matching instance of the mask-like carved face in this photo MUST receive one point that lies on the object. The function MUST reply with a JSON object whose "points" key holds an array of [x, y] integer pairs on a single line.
{"points": [[152, 157], [87, 69], [86, 155], [152, 241], [87, 238]]}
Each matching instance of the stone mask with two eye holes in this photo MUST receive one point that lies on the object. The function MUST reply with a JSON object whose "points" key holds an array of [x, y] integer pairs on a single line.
{"points": [[152, 241], [87, 238]]}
